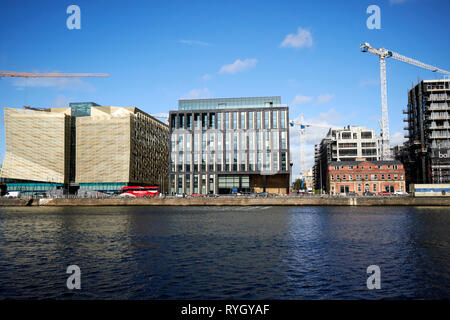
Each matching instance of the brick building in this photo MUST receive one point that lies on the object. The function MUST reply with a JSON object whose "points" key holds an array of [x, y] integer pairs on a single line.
{"points": [[362, 176]]}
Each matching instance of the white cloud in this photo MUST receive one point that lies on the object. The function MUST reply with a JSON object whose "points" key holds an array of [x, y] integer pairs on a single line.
{"points": [[238, 66], [60, 83], [206, 77], [303, 38], [299, 99], [194, 42], [197, 94], [324, 98]]}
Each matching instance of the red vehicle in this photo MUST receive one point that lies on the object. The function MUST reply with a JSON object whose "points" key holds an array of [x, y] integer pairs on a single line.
{"points": [[137, 191], [385, 193]]}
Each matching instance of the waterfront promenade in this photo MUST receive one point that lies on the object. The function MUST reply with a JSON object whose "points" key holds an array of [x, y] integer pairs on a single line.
{"points": [[233, 201]]}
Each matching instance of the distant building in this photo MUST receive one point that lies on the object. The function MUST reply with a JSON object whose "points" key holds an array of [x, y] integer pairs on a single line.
{"points": [[426, 154], [83, 146], [363, 176], [308, 179], [227, 145], [351, 143]]}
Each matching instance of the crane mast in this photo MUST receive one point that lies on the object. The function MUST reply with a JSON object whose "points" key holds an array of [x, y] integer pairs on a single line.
{"points": [[383, 53]]}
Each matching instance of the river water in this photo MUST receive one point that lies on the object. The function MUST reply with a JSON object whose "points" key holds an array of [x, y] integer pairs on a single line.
{"points": [[225, 252]]}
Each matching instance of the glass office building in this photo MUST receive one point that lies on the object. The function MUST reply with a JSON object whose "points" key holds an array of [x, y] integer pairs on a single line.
{"points": [[225, 145]]}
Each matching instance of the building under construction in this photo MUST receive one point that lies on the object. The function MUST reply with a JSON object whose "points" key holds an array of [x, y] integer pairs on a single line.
{"points": [[83, 146], [426, 154], [351, 143]]}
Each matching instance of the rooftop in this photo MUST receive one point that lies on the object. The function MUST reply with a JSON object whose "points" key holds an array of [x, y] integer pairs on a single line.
{"points": [[229, 103]]}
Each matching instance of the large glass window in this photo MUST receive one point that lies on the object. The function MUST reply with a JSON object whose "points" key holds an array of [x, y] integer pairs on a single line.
{"points": [[275, 161], [235, 141], [258, 120], [242, 126], [219, 121], [235, 161], [258, 163], [274, 119], [275, 140], [227, 120], [188, 184], [211, 141], [266, 119], [188, 163], [283, 161], [267, 140], [188, 142], [219, 141], [234, 120], [283, 140], [283, 119], [180, 162], [219, 161], [203, 141], [189, 121], [250, 120]]}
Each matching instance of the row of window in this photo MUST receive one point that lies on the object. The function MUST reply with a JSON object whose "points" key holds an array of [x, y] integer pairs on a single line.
{"points": [[264, 140], [394, 166], [388, 188], [257, 161], [366, 177], [230, 120]]}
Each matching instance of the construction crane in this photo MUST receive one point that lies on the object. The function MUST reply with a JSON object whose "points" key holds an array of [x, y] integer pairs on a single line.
{"points": [[383, 53], [302, 126], [50, 75]]}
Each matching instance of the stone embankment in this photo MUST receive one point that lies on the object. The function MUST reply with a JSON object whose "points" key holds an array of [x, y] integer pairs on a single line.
{"points": [[232, 201]]}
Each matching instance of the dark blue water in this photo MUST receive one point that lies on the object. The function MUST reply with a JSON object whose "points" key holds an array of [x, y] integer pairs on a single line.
{"points": [[225, 252]]}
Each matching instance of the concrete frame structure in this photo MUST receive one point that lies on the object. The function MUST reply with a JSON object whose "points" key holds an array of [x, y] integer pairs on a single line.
{"points": [[426, 154], [362, 176], [218, 145], [351, 143]]}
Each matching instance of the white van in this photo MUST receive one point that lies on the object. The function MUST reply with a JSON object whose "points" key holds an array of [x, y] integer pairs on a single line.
{"points": [[12, 194]]}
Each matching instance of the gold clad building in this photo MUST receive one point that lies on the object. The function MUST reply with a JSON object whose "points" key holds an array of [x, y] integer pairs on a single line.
{"points": [[85, 146]]}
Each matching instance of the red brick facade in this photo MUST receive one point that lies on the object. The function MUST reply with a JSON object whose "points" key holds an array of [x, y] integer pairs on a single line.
{"points": [[362, 176]]}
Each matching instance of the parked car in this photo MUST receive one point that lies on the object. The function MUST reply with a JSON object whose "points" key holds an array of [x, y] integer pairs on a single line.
{"points": [[12, 194], [385, 193], [262, 194], [212, 195], [401, 193]]}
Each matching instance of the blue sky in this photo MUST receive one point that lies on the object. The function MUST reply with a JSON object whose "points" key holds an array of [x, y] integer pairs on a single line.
{"points": [[156, 52]]}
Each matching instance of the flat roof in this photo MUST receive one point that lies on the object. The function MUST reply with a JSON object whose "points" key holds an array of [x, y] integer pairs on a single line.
{"points": [[229, 103]]}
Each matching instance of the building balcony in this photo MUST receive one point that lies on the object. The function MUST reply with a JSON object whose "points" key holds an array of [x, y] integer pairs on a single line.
{"points": [[405, 112], [405, 119]]}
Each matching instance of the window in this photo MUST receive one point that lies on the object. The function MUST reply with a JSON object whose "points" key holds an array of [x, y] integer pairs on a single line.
{"points": [[382, 177], [227, 120], [250, 120], [258, 120], [274, 119], [219, 121], [234, 120], [242, 120], [283, 161], [283, 140], [275, 140], [350, 177], [283, 119], [266, 119], [359, 187], [374, 187], [332, 177], [267, 140]]}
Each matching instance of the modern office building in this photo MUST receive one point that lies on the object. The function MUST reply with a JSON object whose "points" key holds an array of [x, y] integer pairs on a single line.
{"points": [[426, 154], [351, 143], [37, 154], [83, 146], [365, 176], [233, 144]]}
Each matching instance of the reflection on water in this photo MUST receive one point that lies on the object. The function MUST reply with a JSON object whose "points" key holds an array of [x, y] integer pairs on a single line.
{"points": [[224, 252]]}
